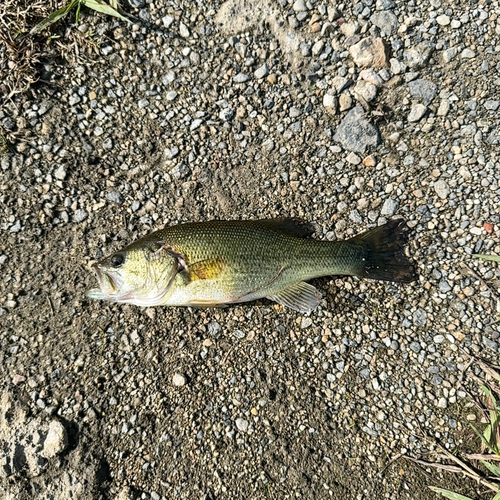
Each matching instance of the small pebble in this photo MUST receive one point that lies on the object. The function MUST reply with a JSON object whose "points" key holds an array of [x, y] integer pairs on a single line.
{"points": [[179, 380], [167, 21], [353, 159], [171, 95], [241, 78], [299, 6], [242, 424], [467, 54], [60, 173], [261, 72], [183, 30], [389, 207], [443, 20], [417, 112], [442, 189]]}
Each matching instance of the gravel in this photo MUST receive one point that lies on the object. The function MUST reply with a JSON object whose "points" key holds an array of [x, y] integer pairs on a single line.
{"points": [[344, 115]]}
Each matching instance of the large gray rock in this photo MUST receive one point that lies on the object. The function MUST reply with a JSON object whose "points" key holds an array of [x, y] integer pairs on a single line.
{"points": [[356, 133], [386, 21], [423, 89]]}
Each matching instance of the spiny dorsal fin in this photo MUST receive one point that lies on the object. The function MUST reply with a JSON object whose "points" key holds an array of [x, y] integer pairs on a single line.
{"points": [[300, 297], [292, 226]]}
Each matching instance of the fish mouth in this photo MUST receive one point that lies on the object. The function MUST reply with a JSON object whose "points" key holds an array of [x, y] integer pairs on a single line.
{"points": [[108, 287]]}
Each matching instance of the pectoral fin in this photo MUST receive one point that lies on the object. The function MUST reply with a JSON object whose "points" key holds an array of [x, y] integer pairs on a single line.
{"points": [[300, 297], [207, 269]]}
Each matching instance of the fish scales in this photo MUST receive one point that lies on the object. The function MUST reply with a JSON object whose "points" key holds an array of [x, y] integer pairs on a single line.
{"points": [[257, 256]]}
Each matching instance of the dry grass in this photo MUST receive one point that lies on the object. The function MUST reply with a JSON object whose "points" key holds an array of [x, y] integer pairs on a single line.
{"points": [[20, 51], [29, 30], [468, 464]]}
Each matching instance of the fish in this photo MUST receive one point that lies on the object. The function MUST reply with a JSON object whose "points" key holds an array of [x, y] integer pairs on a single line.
{"points": [[218, 263]]}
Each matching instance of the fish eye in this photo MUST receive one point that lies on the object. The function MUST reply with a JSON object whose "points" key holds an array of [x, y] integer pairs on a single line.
{"points": [[117, 260]]}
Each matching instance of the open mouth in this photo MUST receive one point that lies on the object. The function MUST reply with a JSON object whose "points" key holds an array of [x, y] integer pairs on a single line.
{"points": [[108, 287]]}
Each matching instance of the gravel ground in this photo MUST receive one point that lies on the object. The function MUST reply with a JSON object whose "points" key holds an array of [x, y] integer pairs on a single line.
{"points": [[342, 114]]}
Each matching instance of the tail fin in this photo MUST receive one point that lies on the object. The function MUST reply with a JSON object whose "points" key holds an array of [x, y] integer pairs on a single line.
{"points": [[384, 257]]}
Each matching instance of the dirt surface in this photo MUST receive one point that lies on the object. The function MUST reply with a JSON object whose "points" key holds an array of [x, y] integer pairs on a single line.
{"points": [[244, 110]]}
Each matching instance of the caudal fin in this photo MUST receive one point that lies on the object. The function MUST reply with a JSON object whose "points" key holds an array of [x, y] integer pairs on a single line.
{"points": [[383, 256]]}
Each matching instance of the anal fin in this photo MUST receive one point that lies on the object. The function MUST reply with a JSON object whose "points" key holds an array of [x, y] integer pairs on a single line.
{"points": [[300, 297]]}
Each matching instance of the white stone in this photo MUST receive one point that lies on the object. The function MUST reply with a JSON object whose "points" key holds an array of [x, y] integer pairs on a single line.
{"points": [[242, 424], [467, 54], [442, 189], [353, 159], [179, 380], [444, 107], [443, 20], [261, 72], [389, 207], [306, 322], [442, 403], [397, 66], [171, 95], [371, 76], [299, 6], [60, 173], [56, 440], [183, 30], [318, 47], [167, 21], [349, 29], [340, 83], [195, 124], [329, 101], [241, 78], [449, 54], [365, 91], [369, 52], [465, 173], [417, 112]]}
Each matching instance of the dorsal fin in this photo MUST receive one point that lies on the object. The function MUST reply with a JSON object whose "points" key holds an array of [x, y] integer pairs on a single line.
{"points": [[292, 226]]}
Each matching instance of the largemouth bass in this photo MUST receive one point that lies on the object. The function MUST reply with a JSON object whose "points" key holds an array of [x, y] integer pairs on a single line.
{"points": [[215, 263]]}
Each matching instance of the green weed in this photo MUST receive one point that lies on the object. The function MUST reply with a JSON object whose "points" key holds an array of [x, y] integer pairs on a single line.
{"points": [[493, 258], [110, 9], [490, 440]]}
